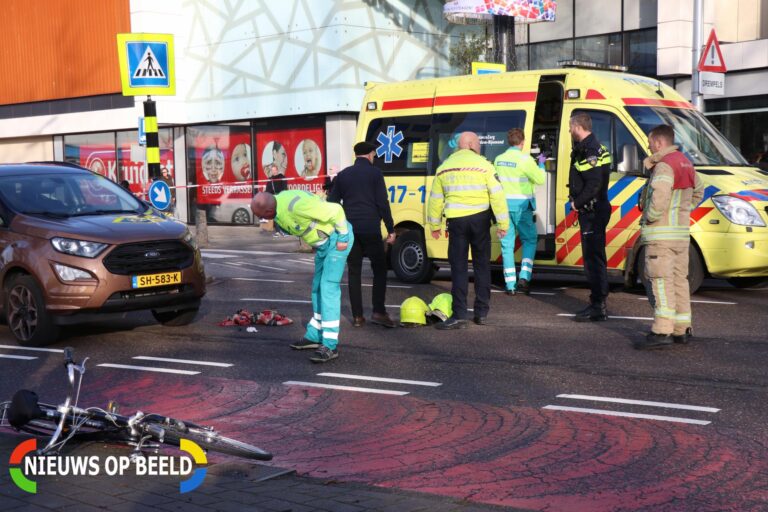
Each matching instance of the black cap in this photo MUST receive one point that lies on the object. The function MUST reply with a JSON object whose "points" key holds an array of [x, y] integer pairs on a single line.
{"points": [[363, 148]]}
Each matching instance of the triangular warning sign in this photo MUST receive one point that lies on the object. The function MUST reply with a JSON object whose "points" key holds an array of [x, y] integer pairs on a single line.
{"points": [[148, 66], [712, 58]]}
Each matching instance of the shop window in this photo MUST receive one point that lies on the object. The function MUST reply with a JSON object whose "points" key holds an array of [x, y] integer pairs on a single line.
{"points": [[403, 144], [491, 127], [220, 164], [547, 55], [94, 151], [131, 158]]}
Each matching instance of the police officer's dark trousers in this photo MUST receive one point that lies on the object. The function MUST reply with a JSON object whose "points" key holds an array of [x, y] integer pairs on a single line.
{"points": [[592, 226], [463, 233], [371, 246]]}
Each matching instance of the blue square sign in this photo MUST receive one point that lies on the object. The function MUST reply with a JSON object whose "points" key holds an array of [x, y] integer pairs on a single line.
{"points": [[148, 64]]}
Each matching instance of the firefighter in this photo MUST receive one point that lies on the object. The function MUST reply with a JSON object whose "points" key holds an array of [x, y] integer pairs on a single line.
{"points": [[324, 227], [674, 190], [465, 190], [588, 193], [518, 174]]}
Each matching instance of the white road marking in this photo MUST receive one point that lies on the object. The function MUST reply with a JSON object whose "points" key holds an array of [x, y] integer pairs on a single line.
{"points": [[183, 361], [230, 265], [23, 358], [14, 347], [305, 262], [345, 388], [147, 369], [627, 414], [640, 402], [381, 379], [253, 299], [261, 280], [264, 266], [617, 317], [502, 291], [219, 256], [702, 301]]}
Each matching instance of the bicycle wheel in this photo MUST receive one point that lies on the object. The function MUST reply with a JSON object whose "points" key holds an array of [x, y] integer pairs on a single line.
{"points": [[213, 441]]}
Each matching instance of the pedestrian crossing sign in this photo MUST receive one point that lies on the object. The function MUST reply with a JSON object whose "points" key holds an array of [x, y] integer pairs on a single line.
{"points": [[146, 64]]}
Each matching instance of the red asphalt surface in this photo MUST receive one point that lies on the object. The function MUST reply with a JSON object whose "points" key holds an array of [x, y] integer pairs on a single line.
{"points": [[512, 456]]}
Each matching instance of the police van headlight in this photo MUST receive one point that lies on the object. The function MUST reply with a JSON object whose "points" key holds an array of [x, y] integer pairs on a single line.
{"points": [[738, 211]]}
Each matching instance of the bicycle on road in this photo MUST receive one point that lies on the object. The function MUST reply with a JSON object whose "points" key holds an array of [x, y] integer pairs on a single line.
{"points": [[142, 431]]}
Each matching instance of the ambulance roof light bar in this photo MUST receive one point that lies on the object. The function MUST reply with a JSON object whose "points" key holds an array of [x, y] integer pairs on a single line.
{"points": [[585, 64]]}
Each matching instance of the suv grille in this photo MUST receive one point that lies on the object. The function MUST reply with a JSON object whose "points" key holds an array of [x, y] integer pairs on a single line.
{"points": [[149, 257]]}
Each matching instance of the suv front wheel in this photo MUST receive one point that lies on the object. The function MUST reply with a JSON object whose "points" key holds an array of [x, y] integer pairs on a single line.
{"points": [[24, 306]]}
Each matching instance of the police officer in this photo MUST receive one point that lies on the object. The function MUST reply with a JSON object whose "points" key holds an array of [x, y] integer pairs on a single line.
{"points": [[323, 226], [673, 190], [465, 190], [518, 173], [588, 193]]}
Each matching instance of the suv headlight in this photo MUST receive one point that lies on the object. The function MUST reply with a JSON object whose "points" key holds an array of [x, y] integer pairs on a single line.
{"points": [[190, 239], [738, 211], [82, 248]]}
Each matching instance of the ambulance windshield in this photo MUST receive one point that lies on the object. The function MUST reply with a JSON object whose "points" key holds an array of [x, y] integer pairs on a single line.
{"points": [[698, 139]]}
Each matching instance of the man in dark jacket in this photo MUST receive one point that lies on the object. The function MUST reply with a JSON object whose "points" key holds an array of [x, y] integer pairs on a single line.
{"points": [[588, 193], [361, 191]]}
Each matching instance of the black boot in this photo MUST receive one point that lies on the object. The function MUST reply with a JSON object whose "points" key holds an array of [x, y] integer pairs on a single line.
{"points": [[523, 286], [593, 313], [683, 338], [653, 341]]}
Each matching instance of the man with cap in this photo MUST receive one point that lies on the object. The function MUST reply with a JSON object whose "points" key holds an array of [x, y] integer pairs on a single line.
{"points": [[362, 193], [322, 226]]}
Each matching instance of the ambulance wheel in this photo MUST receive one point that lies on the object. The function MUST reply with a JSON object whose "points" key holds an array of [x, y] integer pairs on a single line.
{"points": [[696, 272], [748, 282], [409, 259]]}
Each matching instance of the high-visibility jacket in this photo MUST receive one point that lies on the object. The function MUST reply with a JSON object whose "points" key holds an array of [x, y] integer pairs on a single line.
{"points": [[464, 185], [518, 174], [308, 216], [590, 172], [673, 190]]}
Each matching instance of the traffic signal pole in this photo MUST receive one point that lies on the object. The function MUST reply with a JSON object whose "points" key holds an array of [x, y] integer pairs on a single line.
{"points": [[153, 139]]}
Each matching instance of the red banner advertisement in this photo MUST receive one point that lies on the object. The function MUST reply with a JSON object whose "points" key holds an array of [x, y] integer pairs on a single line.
{"points": [[102, 160], [222, 164], [295, 154]]}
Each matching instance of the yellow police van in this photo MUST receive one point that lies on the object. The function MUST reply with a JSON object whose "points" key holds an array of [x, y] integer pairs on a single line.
{"points": [[416, 124]]}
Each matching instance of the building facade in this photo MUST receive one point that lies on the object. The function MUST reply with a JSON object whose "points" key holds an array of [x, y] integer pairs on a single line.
{"points": [[268, 89]]}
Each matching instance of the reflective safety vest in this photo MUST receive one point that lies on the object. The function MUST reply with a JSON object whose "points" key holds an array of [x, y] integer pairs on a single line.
{"points": [[464, 185], [518, 174], [306, 215]]}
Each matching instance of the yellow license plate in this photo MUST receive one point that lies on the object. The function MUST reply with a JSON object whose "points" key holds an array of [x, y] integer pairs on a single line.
{"points": [[163, 279]]}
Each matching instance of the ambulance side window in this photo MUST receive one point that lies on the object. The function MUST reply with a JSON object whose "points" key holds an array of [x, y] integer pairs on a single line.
{"points": [[613, 134], [491, 127], [402, 144]]}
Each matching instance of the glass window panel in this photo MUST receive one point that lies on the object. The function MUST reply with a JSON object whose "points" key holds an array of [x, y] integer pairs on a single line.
{"points": [[131, 158], [403, 144], [95, 151], [547, 55], [640, 51]]}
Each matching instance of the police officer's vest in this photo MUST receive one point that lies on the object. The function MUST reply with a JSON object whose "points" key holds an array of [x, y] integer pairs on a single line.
{"points": [[518, 174], [464, 185], [298, 213]]}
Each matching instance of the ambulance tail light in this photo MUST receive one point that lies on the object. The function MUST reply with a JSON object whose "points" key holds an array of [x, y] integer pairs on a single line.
{"points": [[738, 211]]}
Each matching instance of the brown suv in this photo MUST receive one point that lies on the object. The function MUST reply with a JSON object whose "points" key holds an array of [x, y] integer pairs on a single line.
{"points": [[73, 244]]}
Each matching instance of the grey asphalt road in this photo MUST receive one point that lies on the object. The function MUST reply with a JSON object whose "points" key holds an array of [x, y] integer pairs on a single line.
{"points": [[531, 354]]}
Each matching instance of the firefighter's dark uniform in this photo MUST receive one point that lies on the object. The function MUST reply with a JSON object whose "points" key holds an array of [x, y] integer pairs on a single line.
{"points": [[588, 189]]}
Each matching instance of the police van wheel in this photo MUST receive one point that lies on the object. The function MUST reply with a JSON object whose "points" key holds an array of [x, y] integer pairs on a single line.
{"points": [[409, 260]]}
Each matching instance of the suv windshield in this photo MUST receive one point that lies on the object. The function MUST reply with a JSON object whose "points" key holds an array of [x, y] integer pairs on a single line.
{"points": [[698, 139], [66, 194]]}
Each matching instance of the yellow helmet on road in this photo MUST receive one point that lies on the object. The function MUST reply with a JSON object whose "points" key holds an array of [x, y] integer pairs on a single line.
{"points": [[442, 306], [413, 312]]}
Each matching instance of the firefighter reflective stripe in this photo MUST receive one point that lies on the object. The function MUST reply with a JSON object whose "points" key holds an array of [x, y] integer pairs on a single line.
{"points": [[661, 233], [662, 306], [674, 207]]}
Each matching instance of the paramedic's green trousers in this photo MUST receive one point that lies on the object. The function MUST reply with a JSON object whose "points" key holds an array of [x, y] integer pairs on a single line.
{"points": [[326, 292], [520, 223]]}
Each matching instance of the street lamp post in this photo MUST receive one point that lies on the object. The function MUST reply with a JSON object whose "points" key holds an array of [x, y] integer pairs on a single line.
{"points": [[696, 97]]}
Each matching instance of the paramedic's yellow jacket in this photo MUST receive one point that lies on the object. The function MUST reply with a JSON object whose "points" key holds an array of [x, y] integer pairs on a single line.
{"points": [[466, 184]]}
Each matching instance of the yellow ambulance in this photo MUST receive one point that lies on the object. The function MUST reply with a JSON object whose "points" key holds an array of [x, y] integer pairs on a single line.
{"points": [[415, 126]]}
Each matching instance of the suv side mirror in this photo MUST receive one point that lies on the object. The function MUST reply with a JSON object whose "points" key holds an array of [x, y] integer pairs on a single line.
{"points": [[630, 163]]}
